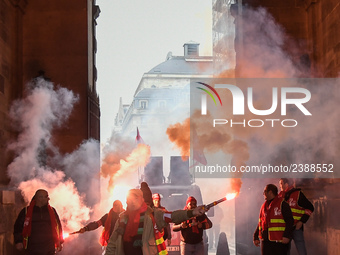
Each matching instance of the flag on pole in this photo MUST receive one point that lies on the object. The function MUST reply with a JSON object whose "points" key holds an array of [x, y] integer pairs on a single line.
{"points": [[139, 139]]}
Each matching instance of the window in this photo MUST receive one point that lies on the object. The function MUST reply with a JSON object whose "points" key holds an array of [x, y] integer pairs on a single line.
{"points": [[162, 104], [143, 104]]}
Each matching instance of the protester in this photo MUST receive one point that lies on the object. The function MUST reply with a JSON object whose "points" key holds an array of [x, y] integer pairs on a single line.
{"points": [[301, 208], [108, 221], [275, 225], [156, 198], [147, 194], [192, 231], [137, 231], [37, 229]]}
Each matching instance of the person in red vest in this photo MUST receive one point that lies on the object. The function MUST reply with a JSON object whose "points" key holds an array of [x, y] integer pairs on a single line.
{"points": [[108, 221], [192, 231], [301, 208], [275, 226], [137, 231], [37, 229]]}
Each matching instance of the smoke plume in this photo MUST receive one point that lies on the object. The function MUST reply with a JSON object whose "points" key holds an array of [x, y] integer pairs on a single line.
{"points": [[34, 117], [122, 158], [72, 211], [179, 134], [210, 141], [38, 164], [83, 167]]}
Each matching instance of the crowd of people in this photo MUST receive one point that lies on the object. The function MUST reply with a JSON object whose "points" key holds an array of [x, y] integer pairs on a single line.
{"points": [[143, 228]]}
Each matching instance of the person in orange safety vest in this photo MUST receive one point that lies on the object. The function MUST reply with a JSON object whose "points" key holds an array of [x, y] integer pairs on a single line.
{"points": [[301, 209], [275, 226]]}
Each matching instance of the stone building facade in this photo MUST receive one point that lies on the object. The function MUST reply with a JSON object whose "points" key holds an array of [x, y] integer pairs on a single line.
{"points": [[162, 98], [312, 26], [54, 39], [311, 42], [162, 90]]}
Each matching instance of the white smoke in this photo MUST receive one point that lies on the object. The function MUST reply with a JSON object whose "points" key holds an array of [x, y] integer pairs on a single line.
{"points": [[64, 197], [35, 116], [72, 180], [263, 51], [83, 166]]}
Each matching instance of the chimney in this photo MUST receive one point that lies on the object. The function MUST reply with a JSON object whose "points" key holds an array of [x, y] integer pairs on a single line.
{"points": [[191, 49], [179, 171], [153, 171]]}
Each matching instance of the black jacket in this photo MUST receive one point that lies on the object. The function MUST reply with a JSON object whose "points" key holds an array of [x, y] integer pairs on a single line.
{"points": [[41, 238], [302, 202]]}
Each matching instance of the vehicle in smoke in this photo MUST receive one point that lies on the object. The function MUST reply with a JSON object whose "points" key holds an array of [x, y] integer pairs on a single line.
{"points": [[174, 190]]}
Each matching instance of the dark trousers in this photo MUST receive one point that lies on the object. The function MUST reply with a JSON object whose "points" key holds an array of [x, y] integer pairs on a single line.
{"points": [[299, 242], [273, 248], [129, 249]]}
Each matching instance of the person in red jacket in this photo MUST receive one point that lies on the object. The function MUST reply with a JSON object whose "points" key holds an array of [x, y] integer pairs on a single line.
{"points": [[38, 229], [108, 221], [301, 208], [275, 226]]}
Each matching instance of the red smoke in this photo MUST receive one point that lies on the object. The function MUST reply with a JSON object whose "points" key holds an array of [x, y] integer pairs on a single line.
{"points": [[179, 134], [117, 164], [210, 140]]}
